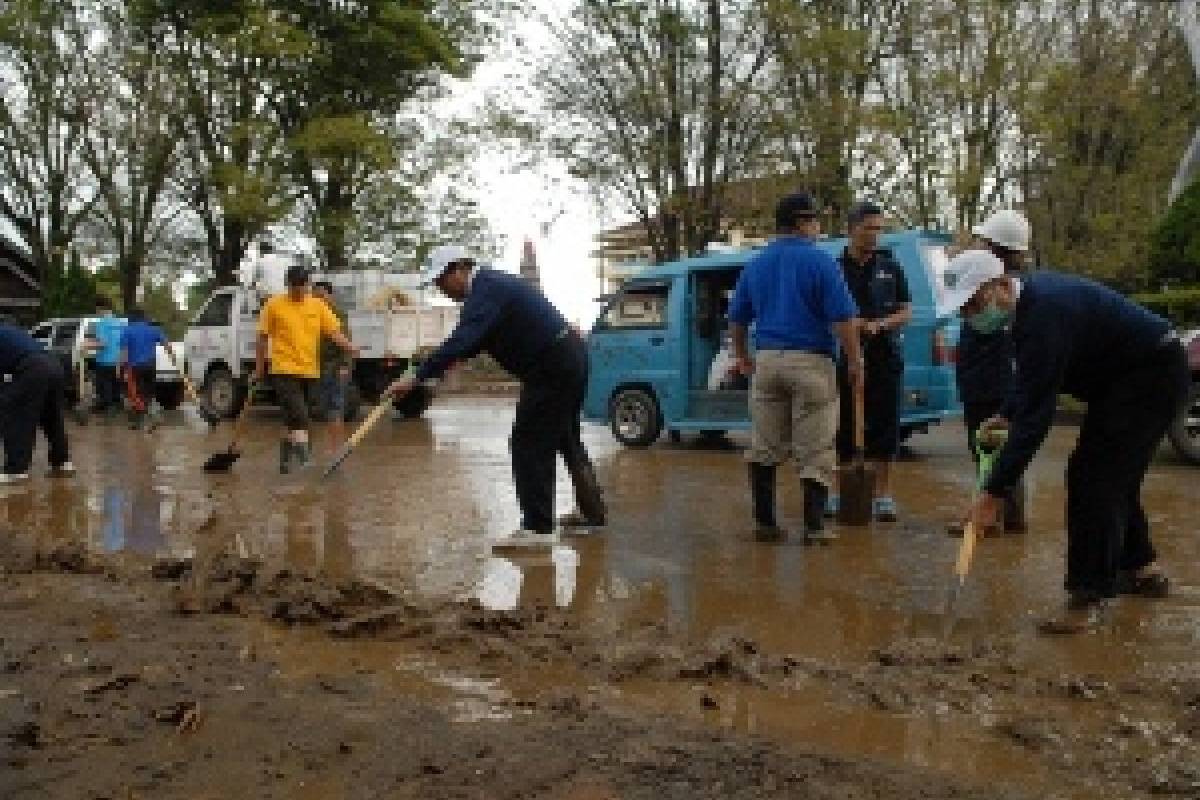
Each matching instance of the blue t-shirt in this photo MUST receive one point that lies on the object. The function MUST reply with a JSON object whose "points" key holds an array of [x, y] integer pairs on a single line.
{"points": [[138, 341], [108, 334], [794, 291], [15, 344]]}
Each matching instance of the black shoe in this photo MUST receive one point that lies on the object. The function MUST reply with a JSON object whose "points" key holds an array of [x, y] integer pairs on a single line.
{"points": [[1153, 584], [762, 496], [815, 496]]}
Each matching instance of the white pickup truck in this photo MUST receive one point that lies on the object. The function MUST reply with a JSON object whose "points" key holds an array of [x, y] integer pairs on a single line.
{"points": [[219, 344]]}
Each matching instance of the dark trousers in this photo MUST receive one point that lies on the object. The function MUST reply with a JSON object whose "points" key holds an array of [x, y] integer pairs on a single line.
{"points": [[1107, 530], [883, 385], [108, 387], [546, 424], [144, 377], [36, 396]]}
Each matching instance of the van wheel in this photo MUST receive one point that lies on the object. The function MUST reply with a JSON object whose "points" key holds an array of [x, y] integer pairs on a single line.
{"points": [[1184, 432], [221, 392], [636, 418]]}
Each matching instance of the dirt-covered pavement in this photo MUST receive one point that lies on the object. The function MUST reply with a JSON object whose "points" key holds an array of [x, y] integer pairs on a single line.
{"points": [[166, 633]]}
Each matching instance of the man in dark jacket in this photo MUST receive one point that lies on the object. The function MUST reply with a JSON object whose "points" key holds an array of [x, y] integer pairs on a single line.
{"points": [[32, 394], [509, 318], [880, 291], [1073, 336], [985, 361]]}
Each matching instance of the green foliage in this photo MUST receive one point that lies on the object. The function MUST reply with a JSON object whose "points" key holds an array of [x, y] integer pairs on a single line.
{"points": [[1175, 244], [158, 301], [68, 290], [1181, 306]]}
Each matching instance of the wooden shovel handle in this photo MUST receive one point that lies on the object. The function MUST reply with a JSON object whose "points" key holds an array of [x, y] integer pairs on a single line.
{"points": [[966, 551], [239, 423], [368, 423], [860, 435]]}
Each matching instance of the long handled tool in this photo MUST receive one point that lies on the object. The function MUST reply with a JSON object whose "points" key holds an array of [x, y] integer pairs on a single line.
{"points": [[206, 414], [857, 481], [357, 436], [221, 462]]}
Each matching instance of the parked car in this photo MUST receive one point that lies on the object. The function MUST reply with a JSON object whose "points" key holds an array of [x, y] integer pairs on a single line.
{"points": [[653, 346], [72, 339], [1184, 432]]}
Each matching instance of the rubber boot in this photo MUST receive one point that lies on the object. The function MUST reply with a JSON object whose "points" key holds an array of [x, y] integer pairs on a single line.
{"points": [[815, 496], [285, 457], [762, 493]]}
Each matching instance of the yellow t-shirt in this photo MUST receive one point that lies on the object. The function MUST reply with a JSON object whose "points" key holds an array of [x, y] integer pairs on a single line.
{"points": [[294, 329]]}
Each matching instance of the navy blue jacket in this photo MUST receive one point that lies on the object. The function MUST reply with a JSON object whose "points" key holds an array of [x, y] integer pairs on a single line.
{"points": [[15, 344], [1071, 336], [505, 316], [984, 366]]}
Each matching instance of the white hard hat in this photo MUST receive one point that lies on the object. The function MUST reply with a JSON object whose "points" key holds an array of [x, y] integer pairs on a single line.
{"points": [[439, 259], [963, 276], [1005, 228]]}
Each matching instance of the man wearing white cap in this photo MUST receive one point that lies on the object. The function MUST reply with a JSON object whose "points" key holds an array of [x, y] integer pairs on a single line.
{"points": [[983, 368], [509, 318], [1074, 336]]}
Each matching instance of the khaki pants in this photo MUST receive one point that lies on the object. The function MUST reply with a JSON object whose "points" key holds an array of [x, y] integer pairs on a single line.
{"points": [[794, 408]]}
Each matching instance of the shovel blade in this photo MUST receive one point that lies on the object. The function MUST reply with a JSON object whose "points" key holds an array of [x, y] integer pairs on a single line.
{"points": [[857, 491], [221, 462]]}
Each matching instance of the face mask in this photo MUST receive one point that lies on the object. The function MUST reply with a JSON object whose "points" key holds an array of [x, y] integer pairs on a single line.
{"points": [[990, 320]]}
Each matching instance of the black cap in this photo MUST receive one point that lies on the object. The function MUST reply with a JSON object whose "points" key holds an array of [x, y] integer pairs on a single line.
{"points": [[793, 207], [296, 276]]}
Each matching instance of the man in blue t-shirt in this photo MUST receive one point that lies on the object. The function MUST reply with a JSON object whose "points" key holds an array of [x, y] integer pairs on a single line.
{"points": [[107, 332], [139, 343], [797, 298], [32, 394]]}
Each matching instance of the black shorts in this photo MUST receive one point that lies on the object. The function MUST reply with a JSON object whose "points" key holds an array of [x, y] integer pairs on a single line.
{"points": [[294, 394], [881, 411]]}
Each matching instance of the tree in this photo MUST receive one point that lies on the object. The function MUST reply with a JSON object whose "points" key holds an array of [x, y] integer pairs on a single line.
{"points": [[43, 125], [1175, 245], [132, 146], [225, 58], [68, 290], [663, 105], [1113, 116], [362, 63]]}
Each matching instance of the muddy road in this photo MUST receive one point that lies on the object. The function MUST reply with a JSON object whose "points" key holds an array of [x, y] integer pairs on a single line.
{"points": [[168, 633]]}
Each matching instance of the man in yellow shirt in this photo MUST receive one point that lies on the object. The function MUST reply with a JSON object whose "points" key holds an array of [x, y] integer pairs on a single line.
{"points": [[293, 324]]}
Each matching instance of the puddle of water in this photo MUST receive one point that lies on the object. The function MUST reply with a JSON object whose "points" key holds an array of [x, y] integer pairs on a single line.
{"points": [[418, 504]]}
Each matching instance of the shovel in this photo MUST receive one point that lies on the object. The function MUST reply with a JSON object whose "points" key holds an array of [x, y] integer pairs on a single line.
{"points": [[857, 488], [189, 389], [221, 462], [81, 405], [357, 436]]}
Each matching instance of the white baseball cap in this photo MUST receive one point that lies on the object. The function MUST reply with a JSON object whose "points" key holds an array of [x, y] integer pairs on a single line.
{"points": [[1006, 228], [439, 259], [963, 276]]}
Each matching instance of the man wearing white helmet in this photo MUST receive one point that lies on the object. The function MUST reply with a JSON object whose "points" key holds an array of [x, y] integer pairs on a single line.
{"points": [[509, 318], [984, 366], [1074, 336]]}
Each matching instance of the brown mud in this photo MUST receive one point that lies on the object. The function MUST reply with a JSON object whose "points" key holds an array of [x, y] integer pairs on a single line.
{"points": [[172, 635]]}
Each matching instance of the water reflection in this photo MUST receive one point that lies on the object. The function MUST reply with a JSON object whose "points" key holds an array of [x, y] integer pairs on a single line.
{"points": [[531, 580]]}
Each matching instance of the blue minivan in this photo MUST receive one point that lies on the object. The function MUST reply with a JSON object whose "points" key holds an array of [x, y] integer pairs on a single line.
{"points": [[654, 345]]}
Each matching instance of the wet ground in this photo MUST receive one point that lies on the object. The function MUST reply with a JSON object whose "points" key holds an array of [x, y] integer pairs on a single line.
{"points": [[383, 579]]}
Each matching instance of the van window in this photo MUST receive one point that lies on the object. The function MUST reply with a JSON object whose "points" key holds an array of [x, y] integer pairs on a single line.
{"points": [[638, 307], [42, 332], [935, 258], [64, 334], [217, 313]]}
